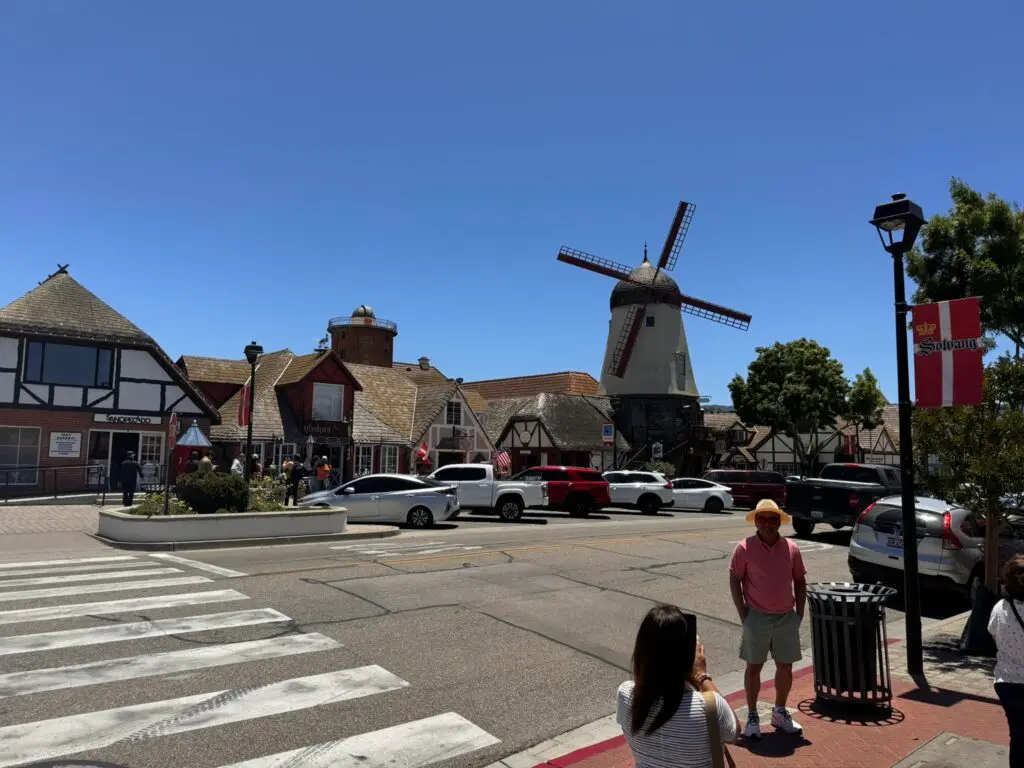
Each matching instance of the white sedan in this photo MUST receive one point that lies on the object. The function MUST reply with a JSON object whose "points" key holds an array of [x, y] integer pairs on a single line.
{"points": [[694, 493], [417, 501]]}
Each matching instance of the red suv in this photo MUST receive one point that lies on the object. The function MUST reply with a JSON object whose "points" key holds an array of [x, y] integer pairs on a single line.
{"points": [[576, 490], [749, 486]]}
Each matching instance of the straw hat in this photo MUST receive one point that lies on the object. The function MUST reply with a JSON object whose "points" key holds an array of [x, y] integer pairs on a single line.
{"points": [[768, 507]]}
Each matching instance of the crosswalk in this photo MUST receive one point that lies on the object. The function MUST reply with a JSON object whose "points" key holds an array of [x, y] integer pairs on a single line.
{"points": [[98, 633], [404, 549]]}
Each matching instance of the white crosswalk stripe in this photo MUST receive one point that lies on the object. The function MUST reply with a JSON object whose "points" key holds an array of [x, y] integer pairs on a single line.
{"points": [[413, 744]]}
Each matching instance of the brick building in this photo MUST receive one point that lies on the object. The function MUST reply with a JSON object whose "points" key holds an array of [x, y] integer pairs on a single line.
{"points": [[80, 386]]}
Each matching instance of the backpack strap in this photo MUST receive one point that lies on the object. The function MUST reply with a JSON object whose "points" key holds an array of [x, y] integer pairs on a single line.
{"points": [[1013, 608], [719, 754]]}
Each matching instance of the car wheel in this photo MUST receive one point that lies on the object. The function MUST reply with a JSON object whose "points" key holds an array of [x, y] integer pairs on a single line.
{"points": [[649, 505], [713, 505], [803, 527], [510, 509], [420, 517], [580, 506]]}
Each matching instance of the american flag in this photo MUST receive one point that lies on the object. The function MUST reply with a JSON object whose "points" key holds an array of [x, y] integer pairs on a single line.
{"points": [[502, 460]]}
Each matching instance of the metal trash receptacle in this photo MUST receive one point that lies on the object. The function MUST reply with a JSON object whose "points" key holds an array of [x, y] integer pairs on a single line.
{"points": [[849, 643]]}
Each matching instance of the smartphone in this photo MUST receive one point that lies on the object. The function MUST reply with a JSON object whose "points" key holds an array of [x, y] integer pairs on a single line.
{"points": [[691, 624]]}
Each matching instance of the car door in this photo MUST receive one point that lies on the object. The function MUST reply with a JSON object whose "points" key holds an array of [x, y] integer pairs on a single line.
{"points": [[396, 499], [690, 493], [360, 498], [617, 487], [453, 476], [474, 487]]}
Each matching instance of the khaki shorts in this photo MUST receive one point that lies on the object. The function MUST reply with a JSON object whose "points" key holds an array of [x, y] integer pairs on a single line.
{"points": [[778, 633]]}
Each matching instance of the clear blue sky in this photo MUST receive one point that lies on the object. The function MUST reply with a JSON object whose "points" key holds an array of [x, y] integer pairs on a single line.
{"points": [[235, 170]]}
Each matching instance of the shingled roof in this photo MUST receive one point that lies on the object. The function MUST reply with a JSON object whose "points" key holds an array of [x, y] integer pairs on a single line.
{"points": [[869, 437], [62, 307], [214, 369], [389, 396], [572, 421], [419, 375], [266, 412], [565, 382]]}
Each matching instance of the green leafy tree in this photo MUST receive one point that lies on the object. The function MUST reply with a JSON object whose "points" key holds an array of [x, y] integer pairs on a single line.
{"points": [[864, 403], [974, 455], [977, 249], [796, 388]]}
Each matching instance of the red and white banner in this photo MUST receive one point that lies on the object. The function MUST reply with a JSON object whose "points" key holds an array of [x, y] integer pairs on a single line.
{"points": [[243, 407], [948, 367]]}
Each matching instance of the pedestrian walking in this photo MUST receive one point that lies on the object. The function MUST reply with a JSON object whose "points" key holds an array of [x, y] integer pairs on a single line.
{"points": [[128, 475], [1006, 626], [238, 465], [295, 474], [671, 711], [769, 589], [192, 465]]}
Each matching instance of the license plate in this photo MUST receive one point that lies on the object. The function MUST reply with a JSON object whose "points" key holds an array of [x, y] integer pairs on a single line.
{"points": [[896, 542], [817, 514]]}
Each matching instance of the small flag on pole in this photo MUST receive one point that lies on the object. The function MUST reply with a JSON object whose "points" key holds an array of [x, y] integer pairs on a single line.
{"points": [[502, 460]]}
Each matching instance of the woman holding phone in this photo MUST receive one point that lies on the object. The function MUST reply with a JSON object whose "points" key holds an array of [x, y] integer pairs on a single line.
{"points": [[664, 710]]}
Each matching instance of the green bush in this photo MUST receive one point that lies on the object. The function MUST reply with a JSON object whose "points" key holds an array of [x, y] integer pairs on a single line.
{"points": [[266, 494], [153, 504], [210, 492]]}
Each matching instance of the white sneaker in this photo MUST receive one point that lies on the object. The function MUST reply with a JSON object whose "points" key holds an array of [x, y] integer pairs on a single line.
{"points": [[752, 730], [781, 721]]}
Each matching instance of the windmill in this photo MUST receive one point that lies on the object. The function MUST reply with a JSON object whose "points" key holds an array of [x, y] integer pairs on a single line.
{"points": [[646, 326]]}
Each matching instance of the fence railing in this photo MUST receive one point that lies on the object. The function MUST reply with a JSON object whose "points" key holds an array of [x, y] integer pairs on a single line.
{"points": [[29, 482]]}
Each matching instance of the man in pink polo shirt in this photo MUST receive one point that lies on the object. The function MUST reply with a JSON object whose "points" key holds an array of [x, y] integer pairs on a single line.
{"points": [[766, 577]]}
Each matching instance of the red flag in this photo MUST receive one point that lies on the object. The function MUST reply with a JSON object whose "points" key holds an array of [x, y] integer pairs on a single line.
{"points": [[948, 367], [243, 407]]}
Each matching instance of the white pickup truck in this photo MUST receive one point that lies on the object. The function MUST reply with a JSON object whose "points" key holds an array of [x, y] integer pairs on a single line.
{"points": [[477, 489]]}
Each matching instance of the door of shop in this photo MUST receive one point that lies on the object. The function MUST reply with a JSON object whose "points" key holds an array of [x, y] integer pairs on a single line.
{"points": [[120, 444]]}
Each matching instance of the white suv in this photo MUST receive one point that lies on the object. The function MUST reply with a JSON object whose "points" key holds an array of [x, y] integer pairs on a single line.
{"points": [[647, 491]]}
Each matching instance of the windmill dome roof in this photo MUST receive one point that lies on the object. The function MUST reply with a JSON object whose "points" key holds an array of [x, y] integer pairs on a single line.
{"points": [[363, 310], [626, 292]]}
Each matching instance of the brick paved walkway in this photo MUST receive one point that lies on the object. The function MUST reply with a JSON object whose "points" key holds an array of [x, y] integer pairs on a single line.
{"points": [[48, 518]]}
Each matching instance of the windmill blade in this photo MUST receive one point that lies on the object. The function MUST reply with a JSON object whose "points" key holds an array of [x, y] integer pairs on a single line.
{"points": [[676, 235], [594, 263], [716, 312], [626, 341]]}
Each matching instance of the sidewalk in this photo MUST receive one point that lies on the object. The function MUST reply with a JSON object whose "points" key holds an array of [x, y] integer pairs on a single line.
{"points": [[954, 720]]}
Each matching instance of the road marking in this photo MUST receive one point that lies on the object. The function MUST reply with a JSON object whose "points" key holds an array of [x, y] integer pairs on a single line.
{"points": [[395, 550], [73, 568], [409, 745], [108, 607], [159, 664], [75, 638], [38, 594], [86, 577], [60, 736], [200, 566], [388, 547], [41, 563]]}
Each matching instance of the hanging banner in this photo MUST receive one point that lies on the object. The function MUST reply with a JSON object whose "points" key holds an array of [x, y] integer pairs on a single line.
{"points": [[948, 366], [243, 407]]}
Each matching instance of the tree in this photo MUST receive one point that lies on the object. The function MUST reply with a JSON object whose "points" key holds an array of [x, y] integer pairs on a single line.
{"points": [[975, 250], [796, 388], [864, 403], [973, 454]]}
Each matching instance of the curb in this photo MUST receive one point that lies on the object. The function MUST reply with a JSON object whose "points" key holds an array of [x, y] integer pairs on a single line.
{"points": [[378, 532], [605, 734]]}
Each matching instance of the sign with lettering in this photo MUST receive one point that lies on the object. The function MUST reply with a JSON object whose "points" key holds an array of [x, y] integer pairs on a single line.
{"points": [[65, 445], [608, 433], [324, 428], [118, 418], [948, 367]]}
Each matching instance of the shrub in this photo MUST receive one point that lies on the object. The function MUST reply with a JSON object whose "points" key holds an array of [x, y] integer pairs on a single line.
{"points": [[213, 491], [266, 494], [153, 504]]}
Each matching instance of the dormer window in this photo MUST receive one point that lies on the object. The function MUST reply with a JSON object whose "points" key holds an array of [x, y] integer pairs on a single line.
{"points": [[69, 365]]}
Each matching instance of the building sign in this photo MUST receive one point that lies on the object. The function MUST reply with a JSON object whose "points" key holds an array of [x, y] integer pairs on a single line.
{"points": [[117, 418], [324, 428], [65, 445], [656, 451], [948, 368], [608, 433]]}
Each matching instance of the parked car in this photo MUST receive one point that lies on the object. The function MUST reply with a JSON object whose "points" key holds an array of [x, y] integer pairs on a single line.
{"points": [[839, 494], [576, 490], [417, 501], [749, 486], [478, 490], [695, 493], [646, 491], [949, 545]]}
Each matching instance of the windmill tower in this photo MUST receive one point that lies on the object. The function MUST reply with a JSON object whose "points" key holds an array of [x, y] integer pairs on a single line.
{"points": [[647, 366]]}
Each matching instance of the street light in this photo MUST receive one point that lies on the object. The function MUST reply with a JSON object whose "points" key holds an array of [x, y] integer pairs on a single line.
{"points": [[902, 217], [253, 351]]}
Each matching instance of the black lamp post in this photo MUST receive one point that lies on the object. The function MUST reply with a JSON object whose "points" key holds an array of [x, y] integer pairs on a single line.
{"points": [[903, 218], [253, 351]]}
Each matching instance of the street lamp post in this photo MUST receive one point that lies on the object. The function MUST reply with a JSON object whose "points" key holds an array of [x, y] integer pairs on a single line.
{"points": [[253, 351], [901, 215]]}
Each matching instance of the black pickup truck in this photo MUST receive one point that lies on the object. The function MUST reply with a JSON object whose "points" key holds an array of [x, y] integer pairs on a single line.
{"points": [[839, 495]]}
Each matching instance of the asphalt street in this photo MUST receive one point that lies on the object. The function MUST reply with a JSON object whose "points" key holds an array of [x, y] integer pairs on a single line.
{"points": [[454, 646]]}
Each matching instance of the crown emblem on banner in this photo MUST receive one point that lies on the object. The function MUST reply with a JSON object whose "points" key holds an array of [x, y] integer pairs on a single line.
{"points": [[926, 329]]}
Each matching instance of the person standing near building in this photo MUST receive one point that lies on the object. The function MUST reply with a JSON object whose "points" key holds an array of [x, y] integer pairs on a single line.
{"points": [[128, 475], [295, 474], [1006, 625], [238, 466], [767, 579]]}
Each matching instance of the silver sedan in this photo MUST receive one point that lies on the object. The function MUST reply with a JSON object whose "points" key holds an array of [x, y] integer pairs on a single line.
{"points": [[418, 501]]}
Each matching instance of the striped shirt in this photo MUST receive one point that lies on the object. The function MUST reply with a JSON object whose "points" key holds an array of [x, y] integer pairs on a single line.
{"points": [[682, 742]]}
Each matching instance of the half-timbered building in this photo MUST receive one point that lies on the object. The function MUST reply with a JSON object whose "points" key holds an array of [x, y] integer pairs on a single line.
{"points": [[80, 386]]}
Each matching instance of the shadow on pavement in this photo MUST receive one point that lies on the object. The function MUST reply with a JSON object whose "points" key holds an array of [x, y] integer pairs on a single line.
{"points": [[492, 519], [846, 714]]}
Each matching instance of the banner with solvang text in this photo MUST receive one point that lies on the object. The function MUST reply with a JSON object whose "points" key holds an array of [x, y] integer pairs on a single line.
{"points": [[948, 367]]}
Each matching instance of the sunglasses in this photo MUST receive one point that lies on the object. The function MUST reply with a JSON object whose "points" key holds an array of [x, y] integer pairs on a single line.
{"points": [[768, 519]]}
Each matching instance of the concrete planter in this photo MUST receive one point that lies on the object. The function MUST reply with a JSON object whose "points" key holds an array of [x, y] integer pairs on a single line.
{"points": [[122, 528]]}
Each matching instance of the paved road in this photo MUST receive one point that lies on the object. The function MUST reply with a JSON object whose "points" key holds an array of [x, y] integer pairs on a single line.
{"points": [[458, 645]]}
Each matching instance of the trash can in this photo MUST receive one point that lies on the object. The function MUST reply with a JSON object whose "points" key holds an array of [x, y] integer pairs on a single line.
{"points": [[849, 643]]}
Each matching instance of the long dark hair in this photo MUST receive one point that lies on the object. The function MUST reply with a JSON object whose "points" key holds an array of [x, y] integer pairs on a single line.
{"points": [[662, 664]]}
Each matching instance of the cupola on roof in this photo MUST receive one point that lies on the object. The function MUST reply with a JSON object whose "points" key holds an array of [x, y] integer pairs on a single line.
{"points": [[626, 292], [363, 310]]}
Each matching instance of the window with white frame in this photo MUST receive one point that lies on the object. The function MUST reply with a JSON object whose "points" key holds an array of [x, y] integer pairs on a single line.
{"points": [[453, 413], [19, 451], [257, 451], [151, 456], [328, 402], [364, 460], [389, 459], [283, 451]]}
